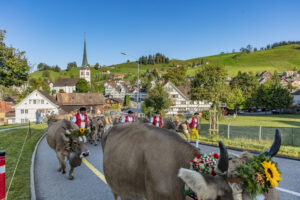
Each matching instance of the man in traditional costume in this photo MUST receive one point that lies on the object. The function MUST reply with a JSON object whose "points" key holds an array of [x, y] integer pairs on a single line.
{"points": [[129, 118], [81, 118], [157, 120], [194, 124]]}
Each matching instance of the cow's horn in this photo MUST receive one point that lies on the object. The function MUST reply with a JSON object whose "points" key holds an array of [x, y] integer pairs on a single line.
{"points": [[272, 151], [223, 161]]}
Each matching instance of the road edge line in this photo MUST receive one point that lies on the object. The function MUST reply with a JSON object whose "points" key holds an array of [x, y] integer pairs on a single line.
{"points": [[32, 181], [94, 170]]}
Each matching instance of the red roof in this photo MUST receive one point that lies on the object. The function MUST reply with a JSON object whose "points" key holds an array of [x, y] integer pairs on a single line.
{"points": [[5, 106]]}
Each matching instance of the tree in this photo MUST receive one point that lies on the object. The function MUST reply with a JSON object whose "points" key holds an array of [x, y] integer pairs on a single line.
{"points": [[270, 96], [71, 65], [46, 74], [248, 83], [209, 85], [176, 75], [14, 67], [97, 66], [56, 68], [158, 99], [82, 86], [236, 99], [126, 100]]}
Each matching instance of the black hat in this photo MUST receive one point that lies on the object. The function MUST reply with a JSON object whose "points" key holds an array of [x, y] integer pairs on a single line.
{"points": [[157, 112], [82, 109], [129, 112], [196, 113]]}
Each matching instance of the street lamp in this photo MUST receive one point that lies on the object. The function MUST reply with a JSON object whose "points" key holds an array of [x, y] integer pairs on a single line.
{"points": [[138, 79]]}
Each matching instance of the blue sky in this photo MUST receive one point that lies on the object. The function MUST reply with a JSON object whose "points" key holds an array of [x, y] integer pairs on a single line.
{"points": [[53, 31]]}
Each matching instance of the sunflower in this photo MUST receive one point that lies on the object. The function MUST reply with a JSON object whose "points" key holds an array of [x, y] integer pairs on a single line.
{"points": [[82, 130], [271, 172]]}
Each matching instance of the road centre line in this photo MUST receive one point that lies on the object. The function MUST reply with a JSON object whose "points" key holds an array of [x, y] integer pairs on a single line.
{"points": [[94, 170], [102, 177]]}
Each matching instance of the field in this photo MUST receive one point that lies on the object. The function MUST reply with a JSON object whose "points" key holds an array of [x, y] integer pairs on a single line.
{"points": [[281, 58], [11, 141]]}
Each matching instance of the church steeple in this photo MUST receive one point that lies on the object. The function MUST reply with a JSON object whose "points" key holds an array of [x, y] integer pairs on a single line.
{"points": [[84, 60]]}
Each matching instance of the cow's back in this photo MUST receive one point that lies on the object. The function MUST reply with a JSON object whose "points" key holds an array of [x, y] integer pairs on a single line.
{"points": [[139, 159]]}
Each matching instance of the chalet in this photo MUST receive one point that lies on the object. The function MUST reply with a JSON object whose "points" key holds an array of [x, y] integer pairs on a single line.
{"points": [[71, 102], [181, 102], [5, 107], [66, 85], [118, 76], [37, 100], [296, 96], [113, 101], [264, 77], [289, 73]]}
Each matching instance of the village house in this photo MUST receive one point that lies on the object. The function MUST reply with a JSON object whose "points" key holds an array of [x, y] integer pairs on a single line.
{"points": [[5, 108], [118, 76], [296, 96], [289, 73], [71, 102], [264, 77], [113, 101], [181, 102], [38, 100], [66, 85]]}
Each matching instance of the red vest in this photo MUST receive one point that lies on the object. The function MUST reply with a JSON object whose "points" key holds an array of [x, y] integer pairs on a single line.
{"points": [[126, 119], [154, 121], [78, 120], [192, 124]]}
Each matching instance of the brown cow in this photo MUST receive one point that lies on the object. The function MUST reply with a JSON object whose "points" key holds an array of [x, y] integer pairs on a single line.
{"points": [[58, 136], [145, 165]]}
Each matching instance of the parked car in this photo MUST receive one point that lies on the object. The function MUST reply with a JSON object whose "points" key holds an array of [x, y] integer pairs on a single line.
{"points": [[240, 112], [257, 110], [277, 111]]}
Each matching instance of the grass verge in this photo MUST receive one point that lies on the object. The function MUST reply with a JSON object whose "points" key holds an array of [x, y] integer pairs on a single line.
{"points": [[11, 141]]}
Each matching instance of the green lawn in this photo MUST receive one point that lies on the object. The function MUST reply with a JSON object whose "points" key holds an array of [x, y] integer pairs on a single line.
{"points": [[11, 141], [12, 125], [283, 120]]}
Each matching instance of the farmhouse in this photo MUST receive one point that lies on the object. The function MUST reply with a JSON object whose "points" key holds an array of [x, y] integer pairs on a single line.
{"points": [[181, 103], [5, 108], [66, 85], [113, 101], [71, 102], [37, 100]]}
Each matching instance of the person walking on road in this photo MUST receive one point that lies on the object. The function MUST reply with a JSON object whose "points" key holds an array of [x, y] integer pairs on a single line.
{"points": [[81, 118], [128, 118], [194, 124], [157, 120]]}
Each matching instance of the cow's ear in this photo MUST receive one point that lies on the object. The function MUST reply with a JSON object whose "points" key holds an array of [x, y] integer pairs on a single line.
{"points": [[198, 183]]}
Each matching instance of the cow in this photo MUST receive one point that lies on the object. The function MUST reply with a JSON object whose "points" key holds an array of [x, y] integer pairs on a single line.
{"points": [[58, 138], [147, 162], [94, 124]]}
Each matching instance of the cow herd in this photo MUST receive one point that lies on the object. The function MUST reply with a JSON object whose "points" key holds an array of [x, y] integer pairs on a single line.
{"points": [[141, 161]]}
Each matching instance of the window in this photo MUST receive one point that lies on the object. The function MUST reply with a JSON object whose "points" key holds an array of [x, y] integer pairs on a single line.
{"points": [[183, 102], [26, 111], [174, 96], [81, 73], [34, 101], [22, 111], [87, 73], [30, 101], [42, 101], [1, 119]]}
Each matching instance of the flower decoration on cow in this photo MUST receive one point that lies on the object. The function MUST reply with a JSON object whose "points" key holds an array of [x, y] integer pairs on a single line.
{"points": [[80, 132]]}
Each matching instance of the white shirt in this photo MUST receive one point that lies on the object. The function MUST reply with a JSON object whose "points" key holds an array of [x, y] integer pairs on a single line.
{"points": [[130, 119], [157, 121], [82, 125], [196, 121]]}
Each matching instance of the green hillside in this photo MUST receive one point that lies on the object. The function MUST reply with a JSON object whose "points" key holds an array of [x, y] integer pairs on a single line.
{"points": [[280, 58]]}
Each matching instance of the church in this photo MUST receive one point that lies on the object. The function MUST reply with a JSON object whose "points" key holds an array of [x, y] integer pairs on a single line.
{"points": [[85, 71], [68, 85]]}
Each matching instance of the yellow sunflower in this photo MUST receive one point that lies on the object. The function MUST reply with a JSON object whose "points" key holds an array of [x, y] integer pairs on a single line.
{"points": [[271, 172], [81, 130]]}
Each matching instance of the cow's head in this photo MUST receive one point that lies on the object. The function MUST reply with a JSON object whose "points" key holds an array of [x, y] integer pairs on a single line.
{"points": [[225, 186], [94, 125], [78, 146]]}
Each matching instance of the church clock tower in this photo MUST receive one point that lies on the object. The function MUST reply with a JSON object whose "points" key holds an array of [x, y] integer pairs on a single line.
{"points": [[85, 71]]}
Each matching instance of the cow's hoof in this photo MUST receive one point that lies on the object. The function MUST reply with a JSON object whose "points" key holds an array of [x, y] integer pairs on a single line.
{"points": [[71, 177], [98, 139], [63, 171], [95, 144]]}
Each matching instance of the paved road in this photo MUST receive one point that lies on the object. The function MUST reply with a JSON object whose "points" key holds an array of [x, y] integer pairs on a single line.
{"points": [[7, 129], [51, 185]]}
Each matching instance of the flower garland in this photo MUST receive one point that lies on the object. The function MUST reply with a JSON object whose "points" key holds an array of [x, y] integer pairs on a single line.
{"points": [[80, 132], [258, 175], [202, 163]]}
